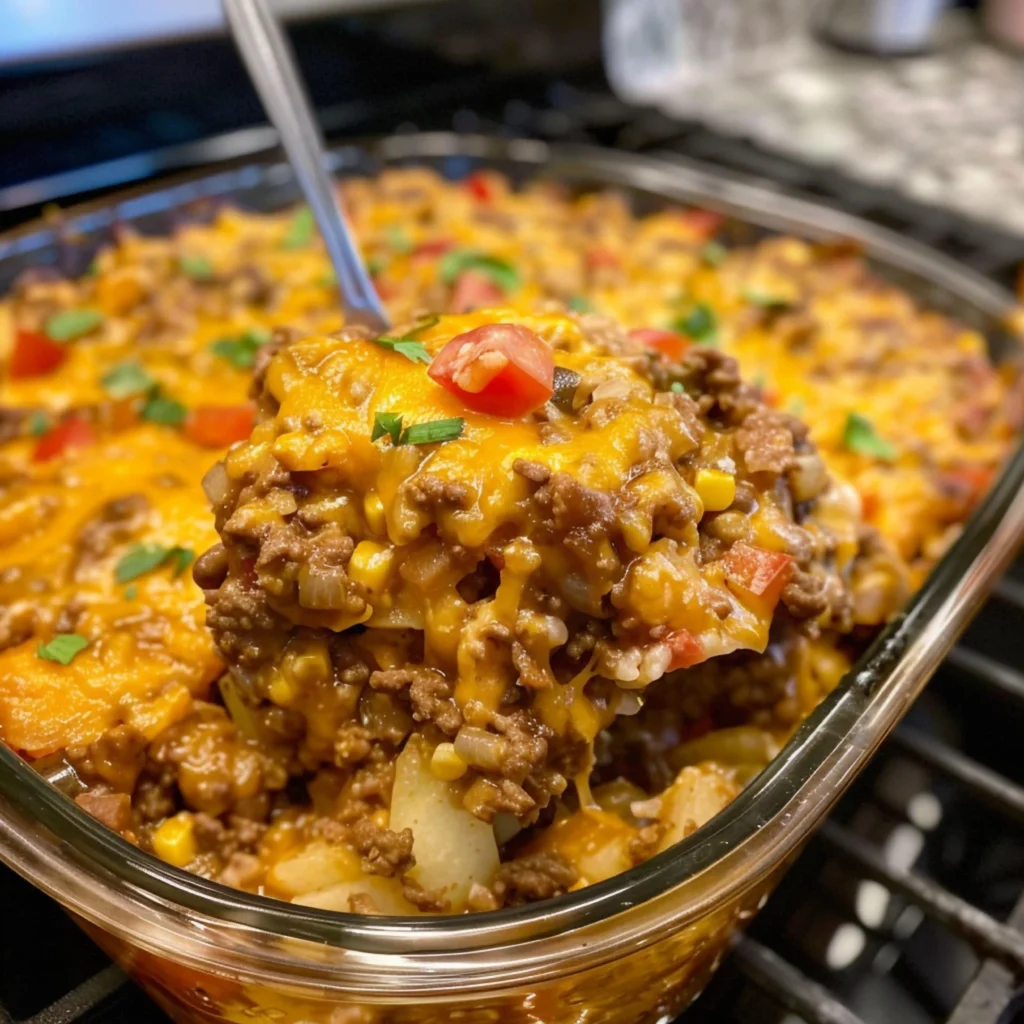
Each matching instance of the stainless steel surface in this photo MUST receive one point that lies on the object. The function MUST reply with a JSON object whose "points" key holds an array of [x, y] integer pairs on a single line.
{"points": [[271, 66]]}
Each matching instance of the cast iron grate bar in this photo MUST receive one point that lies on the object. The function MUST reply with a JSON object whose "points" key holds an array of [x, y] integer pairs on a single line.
{"points": [[988, 936], [987, 670], [80, 1000], [992, 987], [999, 792], [790, 987]]}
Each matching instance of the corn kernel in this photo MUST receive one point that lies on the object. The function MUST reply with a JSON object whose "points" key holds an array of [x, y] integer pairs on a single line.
{"points": [[371, 564], [373, 509], [445, 763], [175, 840], [716, 489], [282, 691]]}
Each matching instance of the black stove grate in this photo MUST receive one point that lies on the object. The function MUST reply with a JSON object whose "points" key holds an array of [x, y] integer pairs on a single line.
{"points": [[908, 907]]}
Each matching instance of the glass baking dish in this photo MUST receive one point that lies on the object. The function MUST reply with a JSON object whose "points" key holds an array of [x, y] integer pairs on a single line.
{"points": [[635, 948]]}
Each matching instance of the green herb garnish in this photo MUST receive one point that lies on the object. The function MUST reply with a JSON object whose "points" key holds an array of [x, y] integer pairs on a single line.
{"points": [[581, 304], [432, 432], [859, 435], [407, 345], [374, 265], [499, 271], [766, 300], [389, 423], [300, 230], [699, 324], [127, 379], [241, 351], [38, 423], [144, 558], [72, 323], [161, 409], [714, 253], [398, 240], [199, 268], [62, 648]]}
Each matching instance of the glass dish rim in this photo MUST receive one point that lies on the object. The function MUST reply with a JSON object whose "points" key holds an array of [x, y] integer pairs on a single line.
{"points": [[844, 713]]}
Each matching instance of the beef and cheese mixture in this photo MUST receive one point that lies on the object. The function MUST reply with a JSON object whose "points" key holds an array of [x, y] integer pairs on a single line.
{"points": [[489, 608]]}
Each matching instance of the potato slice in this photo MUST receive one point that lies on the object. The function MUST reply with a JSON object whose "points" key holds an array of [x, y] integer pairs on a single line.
{"points": [[383, 894], [453, 848], [315, 867], [695, 797]]}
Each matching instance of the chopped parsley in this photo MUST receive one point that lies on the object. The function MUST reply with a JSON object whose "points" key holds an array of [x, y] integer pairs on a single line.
{"points": [[199, 268], [499, 271], [859, 435], [407, 345], [126, 380], [38, 423], [699, 324], [161, 409], [432, 432], [72, 323], [581, 304], [144, 558], [240, 351], [62, 648], [398, 240], [300, 230], [766, 300], [714, 253]]}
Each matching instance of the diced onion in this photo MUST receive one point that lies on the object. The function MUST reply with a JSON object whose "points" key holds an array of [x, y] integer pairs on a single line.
{"points": [[216, 484], [480, 748], [322, 589]]}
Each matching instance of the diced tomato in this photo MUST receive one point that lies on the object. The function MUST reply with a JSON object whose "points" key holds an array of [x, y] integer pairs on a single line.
{"points": [[601, 257], [967, 483], [757, 573], [770, 397], [217, 426], [500, 369], [74, 432], [480, 186], [869, 505], [668, 343], [704, 222], [434, 248], [35, 355], [474, 290], [686, 649]]}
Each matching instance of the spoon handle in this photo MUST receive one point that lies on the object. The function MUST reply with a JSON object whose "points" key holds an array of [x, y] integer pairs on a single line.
{"points": [[271, 65]]}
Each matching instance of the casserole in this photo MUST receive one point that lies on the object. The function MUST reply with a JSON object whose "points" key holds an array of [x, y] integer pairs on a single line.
{"points": [[663, 924]]}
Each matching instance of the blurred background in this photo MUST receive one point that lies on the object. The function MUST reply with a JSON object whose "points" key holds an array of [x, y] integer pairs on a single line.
{"points": [[922, 95], [908, 908]]}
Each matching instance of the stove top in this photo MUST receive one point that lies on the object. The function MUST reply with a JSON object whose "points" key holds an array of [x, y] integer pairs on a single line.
{"points": [[908, 907]]}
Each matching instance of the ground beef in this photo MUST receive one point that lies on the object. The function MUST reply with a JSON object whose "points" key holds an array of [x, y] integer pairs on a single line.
{"points": [[216, 770], [113, 809], [568, 505], [535, 472], [537, 876], [431, 901], [429, 693], [353, 744], [383, 852], [765, 443], [114, 760], [247, 632], [432, 493], [805, 596], [114, 523]]}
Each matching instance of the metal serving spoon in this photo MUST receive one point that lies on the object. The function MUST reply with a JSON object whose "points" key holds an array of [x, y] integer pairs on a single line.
{"points": [[271, 65]]}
